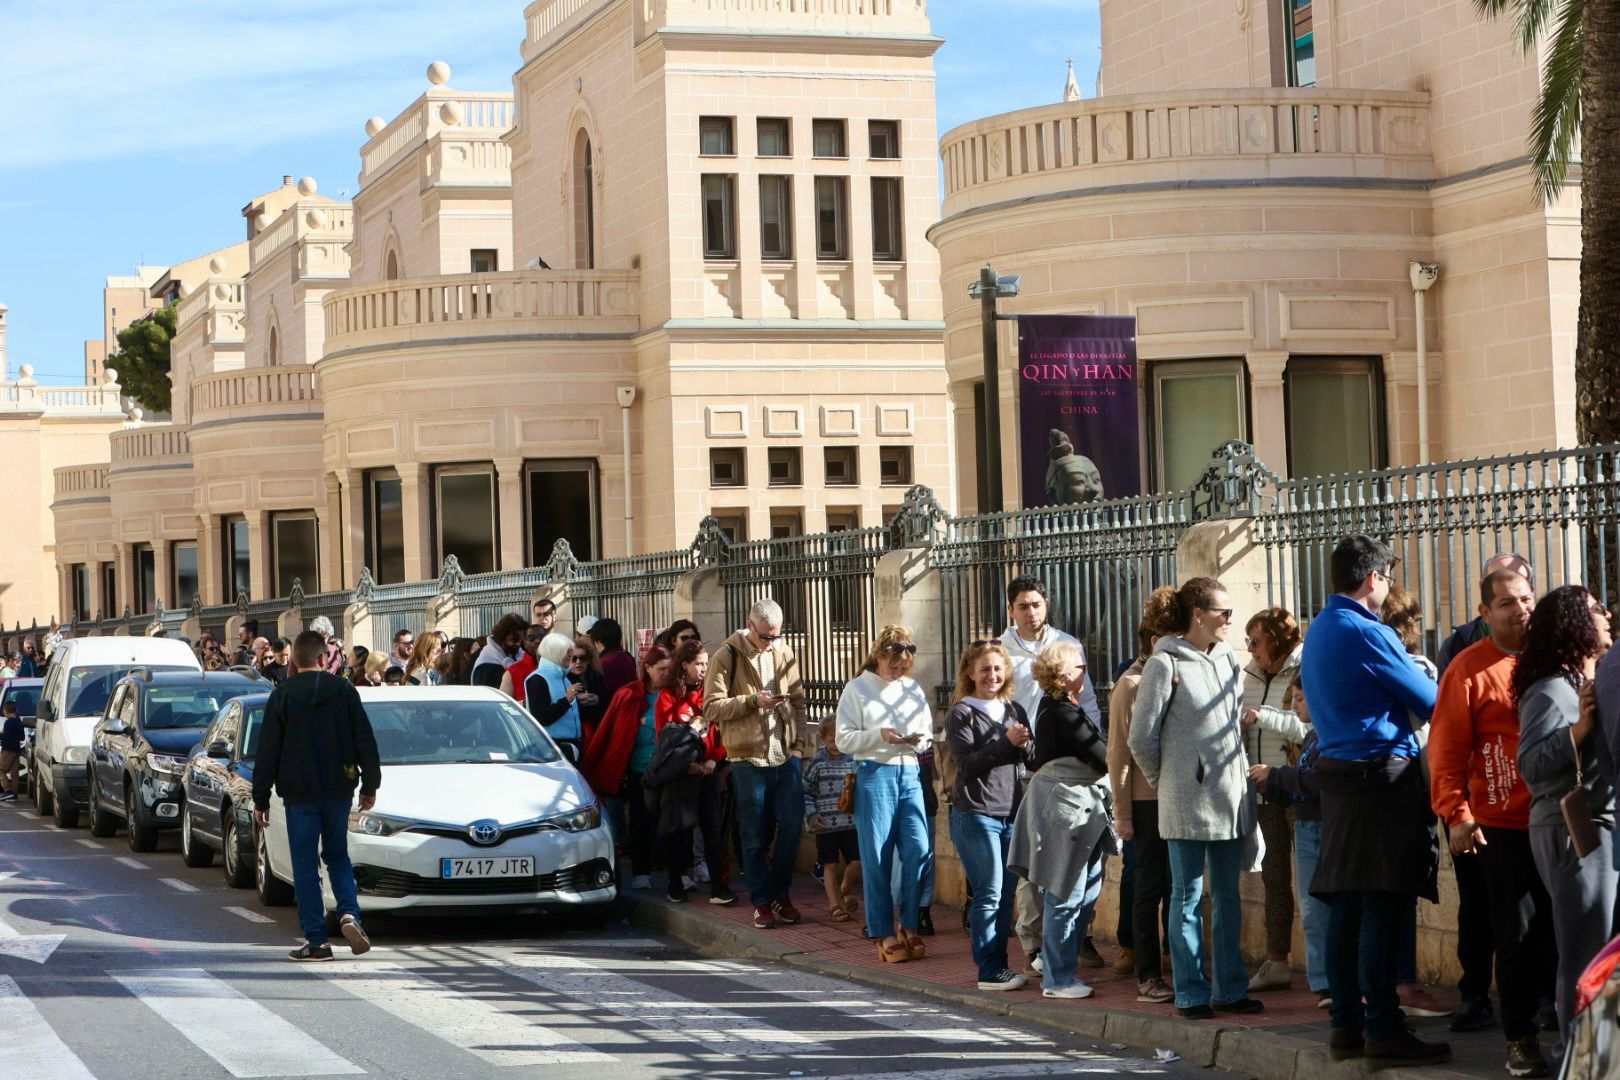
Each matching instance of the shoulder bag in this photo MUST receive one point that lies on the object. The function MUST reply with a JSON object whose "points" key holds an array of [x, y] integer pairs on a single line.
{"points": [[1583, 833]]}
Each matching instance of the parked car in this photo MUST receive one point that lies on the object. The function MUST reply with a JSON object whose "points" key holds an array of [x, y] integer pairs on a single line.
{"points": [[82, 675], [24, 693], [478, 809], [216, 813], [1594, 1033], [139, 749]]}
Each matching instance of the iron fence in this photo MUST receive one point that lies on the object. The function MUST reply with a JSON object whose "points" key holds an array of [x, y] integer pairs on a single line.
{"points": [[637, 592], [395, 607], [482, 599]]}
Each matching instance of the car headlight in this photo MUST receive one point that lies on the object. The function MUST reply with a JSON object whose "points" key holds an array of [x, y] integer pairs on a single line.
{"points": [[369, 824], [580, 820], [166, 764], [76, 755]]}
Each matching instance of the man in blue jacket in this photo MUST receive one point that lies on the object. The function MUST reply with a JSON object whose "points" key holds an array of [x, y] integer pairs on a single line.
{"points": [[1377, 848]]}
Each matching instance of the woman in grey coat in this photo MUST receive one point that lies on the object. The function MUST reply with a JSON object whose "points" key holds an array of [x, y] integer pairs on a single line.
{"points": [[1568, 631], [1185, 735]]}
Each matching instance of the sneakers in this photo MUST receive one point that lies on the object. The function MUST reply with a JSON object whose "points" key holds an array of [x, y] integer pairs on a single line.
{"points": [[1124, 963], [1033, 966], [763, 919], [1346, 1043], [721, 895], [925, 922], [1417, 1001], [819, 872], [1155, 992], [1407, 1047], [1273, 975], [1243, 1006], [641, 881], [1074, 991], [1524, 1058], [700, 873], [688, 882], [1089, 957], [1324, 999], [1004, 980], [1196, 1012], [784, 911], [8, 796], [308, 952], [676, 895], [350, 928], [1474, 1014]]}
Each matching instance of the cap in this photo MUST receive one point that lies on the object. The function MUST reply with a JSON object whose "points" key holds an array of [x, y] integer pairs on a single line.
{"points": [[583, 626]]}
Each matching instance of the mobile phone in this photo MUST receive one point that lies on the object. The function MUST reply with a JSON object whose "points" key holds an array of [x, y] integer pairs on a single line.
{"points": [[912, 739]]}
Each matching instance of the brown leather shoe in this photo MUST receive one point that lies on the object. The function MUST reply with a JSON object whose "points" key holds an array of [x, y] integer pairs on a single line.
{"points": [[1345, 1043], [1407, 1047]]}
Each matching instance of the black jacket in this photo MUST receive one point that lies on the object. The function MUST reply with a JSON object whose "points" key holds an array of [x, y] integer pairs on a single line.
{"points": [[315, 742], [667, 780], [1063, 730]]}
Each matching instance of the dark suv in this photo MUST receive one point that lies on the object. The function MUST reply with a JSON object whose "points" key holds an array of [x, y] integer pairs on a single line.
{"points": [[140, 745]]}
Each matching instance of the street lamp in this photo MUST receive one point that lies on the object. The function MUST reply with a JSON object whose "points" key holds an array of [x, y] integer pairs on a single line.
{"points": [[990, 287]]}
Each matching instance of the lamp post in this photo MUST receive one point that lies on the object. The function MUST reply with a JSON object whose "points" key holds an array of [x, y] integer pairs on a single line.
{"points": [[987, 290]]}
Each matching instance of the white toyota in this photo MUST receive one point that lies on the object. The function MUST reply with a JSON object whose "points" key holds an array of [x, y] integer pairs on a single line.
{"points": [[478, 809]]}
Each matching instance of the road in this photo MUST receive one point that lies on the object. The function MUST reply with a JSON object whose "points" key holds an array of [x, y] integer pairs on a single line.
{"points": [[123, 967]]}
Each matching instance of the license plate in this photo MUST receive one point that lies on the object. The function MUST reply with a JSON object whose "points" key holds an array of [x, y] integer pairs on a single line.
{"points": [[505, 866]]}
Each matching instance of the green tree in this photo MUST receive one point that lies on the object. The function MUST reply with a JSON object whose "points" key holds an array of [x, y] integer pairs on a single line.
{"points": [[142, 359], [1580, 96]]}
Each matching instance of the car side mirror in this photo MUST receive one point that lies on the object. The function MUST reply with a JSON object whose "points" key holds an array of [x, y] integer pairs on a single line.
{"points": [[113, 726], [46, 710], [219, 748]]}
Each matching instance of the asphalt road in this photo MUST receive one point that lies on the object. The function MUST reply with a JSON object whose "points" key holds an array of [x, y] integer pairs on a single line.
{"points": [[123, 966]]}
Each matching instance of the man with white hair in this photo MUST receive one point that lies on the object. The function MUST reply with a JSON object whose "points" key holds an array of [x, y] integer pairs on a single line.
{"points": [[753, 693], [332, 656]]}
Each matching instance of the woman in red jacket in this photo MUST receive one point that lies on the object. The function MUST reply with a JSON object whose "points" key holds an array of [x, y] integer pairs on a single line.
{"points": [[619, 751], [680, 700]]}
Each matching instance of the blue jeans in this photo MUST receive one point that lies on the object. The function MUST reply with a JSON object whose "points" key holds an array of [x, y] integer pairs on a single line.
{"points": [[925, 881], [1363, 935], [319, 831], [889, 816], [981, 843], [777, 790], [1065, 920], [1313, 913], [1187, 862]]}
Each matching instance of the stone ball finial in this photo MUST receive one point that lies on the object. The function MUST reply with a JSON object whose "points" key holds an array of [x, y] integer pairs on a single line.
{"points": [[27, 371], [307, 186], [438, 73], [216, 265], [315, 219], [108, 376], [450, 113], [375, 124], [136, 413]]}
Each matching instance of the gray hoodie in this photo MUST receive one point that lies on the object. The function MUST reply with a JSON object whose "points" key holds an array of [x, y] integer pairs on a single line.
{"points": [[1185, 735]]}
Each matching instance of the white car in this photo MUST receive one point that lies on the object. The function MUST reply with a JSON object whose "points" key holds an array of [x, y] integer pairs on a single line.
{"points": [[478, 809]]}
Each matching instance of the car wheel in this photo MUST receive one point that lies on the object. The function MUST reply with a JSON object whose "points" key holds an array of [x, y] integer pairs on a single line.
{"points": [[142, 837], [102, 822], [42, 798], [273, 892], [237, 857], [65, 812], [594, 917], [193, 852]]}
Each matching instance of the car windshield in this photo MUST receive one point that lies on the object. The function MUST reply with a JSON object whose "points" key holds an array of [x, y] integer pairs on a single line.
{"points": [[90, 686], [25, 697], [184, 706], [250, 731], [427, 732]]}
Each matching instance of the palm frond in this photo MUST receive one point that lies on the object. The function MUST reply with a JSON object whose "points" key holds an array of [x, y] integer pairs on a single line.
{"points": [[1556, 120]]}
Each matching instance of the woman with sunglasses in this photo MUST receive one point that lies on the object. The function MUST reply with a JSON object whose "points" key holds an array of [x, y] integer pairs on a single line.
{"points": [[883, 721], [586, 670]]}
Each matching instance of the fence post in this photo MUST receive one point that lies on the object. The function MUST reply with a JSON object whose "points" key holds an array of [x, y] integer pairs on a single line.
{"points": [[357, 615], [700, 597], [291, 621], [444, 608]]}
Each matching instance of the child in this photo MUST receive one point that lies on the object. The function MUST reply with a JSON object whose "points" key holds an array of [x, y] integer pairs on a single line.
{"points": [[834, 829], [11, 744], [689, 771]]}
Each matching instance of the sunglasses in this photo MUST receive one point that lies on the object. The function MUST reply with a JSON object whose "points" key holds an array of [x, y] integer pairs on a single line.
{"points": [[577, 658], [902, 648], [1223, 612], [984, 641]]}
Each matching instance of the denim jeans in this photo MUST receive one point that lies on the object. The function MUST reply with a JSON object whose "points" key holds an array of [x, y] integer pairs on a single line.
{"points": [[319, 831], [981, 843], [889, 819], [1187, 862], [1313, 913], [925, 879], [1363, 932], [1065, 920], [776, 791]]}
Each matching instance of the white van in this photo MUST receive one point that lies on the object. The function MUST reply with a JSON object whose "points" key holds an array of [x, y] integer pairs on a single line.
{"points": [[82, 675]]}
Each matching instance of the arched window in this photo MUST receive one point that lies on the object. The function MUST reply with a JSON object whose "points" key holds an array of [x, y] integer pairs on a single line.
{"points": [[584, 204], [275, 346], [391, 267]]}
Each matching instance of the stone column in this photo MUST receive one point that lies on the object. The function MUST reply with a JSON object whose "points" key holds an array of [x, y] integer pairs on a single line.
{"points": [[1270, 436], [352, 541], [328, 532], [509, 503], [162, 575], [261, 582], [98, 601], [209, 573], [413, 511], [124, 560], [64, 592]]}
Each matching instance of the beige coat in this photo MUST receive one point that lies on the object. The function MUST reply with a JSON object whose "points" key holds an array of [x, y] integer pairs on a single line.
{"points": [[731, 701], [1125, 777]]}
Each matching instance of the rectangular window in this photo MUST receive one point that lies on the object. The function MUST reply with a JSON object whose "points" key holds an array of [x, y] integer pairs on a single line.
{"points": [[234, 561], [183, 558], [787, 524], [79, 582], [832, 217], [828, 139], [485, 261], [841, 465], [294, 552], [385, 527], [1335, 415], [894, 465], [786, 466], [883, 138], [727, 467], [1197, 406], [1299, 42], [734, 523], [146, 579], [563, 505], [719, 217], [715, 136], [886, 215], [464, 503], [775, 217], [774, 137], [109, 590]]}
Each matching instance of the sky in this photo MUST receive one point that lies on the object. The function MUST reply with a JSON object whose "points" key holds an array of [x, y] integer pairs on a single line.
{"points": [[136, 131]]}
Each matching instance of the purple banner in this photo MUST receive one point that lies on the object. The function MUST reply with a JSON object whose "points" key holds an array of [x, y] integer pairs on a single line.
{"points": [[1078, 428]]}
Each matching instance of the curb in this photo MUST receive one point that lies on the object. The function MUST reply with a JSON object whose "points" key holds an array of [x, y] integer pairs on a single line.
{"points": [[1260, 1054]]}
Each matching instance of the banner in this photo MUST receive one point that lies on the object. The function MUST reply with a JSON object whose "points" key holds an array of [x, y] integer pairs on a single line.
{"points": [[1078, 431]]}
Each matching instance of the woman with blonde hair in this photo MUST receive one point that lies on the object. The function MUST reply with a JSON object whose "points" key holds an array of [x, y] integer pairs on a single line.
{"points": [[422, 668], [376, 661], [883, 721]]}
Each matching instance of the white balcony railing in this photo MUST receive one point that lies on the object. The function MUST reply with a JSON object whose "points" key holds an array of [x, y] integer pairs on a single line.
{"points": [[255, 393]]}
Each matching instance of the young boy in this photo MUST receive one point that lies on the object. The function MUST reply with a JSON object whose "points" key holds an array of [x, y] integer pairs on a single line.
{"points": [[11, 744], [834, 830]]}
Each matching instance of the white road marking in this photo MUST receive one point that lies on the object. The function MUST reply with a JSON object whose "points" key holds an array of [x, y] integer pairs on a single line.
{"points": [[133, 864], [467, 1023], [30, 1045], [250, 915], [87, 842], [176, 883], [244, 1037]]}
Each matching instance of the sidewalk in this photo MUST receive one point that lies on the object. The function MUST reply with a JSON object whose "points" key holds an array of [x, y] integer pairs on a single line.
{"points": [[1286, 1042]]}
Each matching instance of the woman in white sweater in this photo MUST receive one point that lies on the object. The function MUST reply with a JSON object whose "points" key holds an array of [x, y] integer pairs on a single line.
{"points": [[883, 721]]}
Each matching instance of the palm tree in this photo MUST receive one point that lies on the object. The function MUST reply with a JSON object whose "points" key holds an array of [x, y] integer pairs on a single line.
{"points": [[1580, 95]]}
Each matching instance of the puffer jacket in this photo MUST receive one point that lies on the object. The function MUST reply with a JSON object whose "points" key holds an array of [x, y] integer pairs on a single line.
{"points": [[1279, 733]]}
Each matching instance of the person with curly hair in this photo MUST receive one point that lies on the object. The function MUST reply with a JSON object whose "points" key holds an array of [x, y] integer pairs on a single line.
{"points": [[1568, 631]]}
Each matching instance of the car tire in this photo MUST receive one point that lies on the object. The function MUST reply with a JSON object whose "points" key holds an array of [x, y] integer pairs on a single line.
{"points": [[65, 812], [142, 837], [594, 917], [237, 856], [102, 822], [42, 797], [273, 892], [193, 852]]}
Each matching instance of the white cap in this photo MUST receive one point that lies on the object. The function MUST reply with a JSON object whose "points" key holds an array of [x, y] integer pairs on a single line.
{"points": [[584, 623]]}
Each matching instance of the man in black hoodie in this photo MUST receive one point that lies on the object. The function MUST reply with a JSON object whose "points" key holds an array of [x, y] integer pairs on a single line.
{"points": [[314, 744]]}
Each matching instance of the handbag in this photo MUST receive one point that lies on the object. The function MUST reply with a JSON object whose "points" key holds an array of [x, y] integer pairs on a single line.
{"points": [[1583, 833], [846, 797]]}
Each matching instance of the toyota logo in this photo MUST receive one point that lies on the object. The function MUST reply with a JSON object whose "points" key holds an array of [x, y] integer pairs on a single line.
{"points": [[484, 833]]}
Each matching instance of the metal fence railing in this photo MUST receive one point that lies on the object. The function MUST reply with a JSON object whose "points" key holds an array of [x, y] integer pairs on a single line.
{"points": [[395, 607], [638, 592]]}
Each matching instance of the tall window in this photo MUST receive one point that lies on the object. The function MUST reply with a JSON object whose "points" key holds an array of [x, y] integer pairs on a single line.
{"points": [[775, 217], [275, 346], [719, 217], [234, 560], [1335, 415], [79, 582], [886, 215], [183, 558], [1299, 42], [145, 579], [584, 204], [832, 217], [775, 139], [294, 551], [464, 502], [385, 527], [1197, 405], [562, 506], [109, 589], [391, 266]]}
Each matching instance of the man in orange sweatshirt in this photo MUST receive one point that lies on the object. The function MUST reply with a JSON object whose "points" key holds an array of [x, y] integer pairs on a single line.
{"points": [[1476, 790]]}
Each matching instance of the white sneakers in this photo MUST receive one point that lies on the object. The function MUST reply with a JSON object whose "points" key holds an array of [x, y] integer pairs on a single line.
{"points": [[1074, 991], [1273, 975]]}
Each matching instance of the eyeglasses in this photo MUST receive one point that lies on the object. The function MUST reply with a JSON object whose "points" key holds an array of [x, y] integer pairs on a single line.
{"points": [[898, 648], [1251, 642], [1223, 612], [577, 658]]}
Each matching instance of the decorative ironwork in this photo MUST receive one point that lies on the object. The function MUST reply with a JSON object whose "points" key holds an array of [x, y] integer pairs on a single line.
{"points": [[295, 597], [561, 566], [157, 610], [916, 524], [128, 614], [195, 610], [451, 577], [1232, 483], [366, 587], [242, 603], [712, 543]]}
